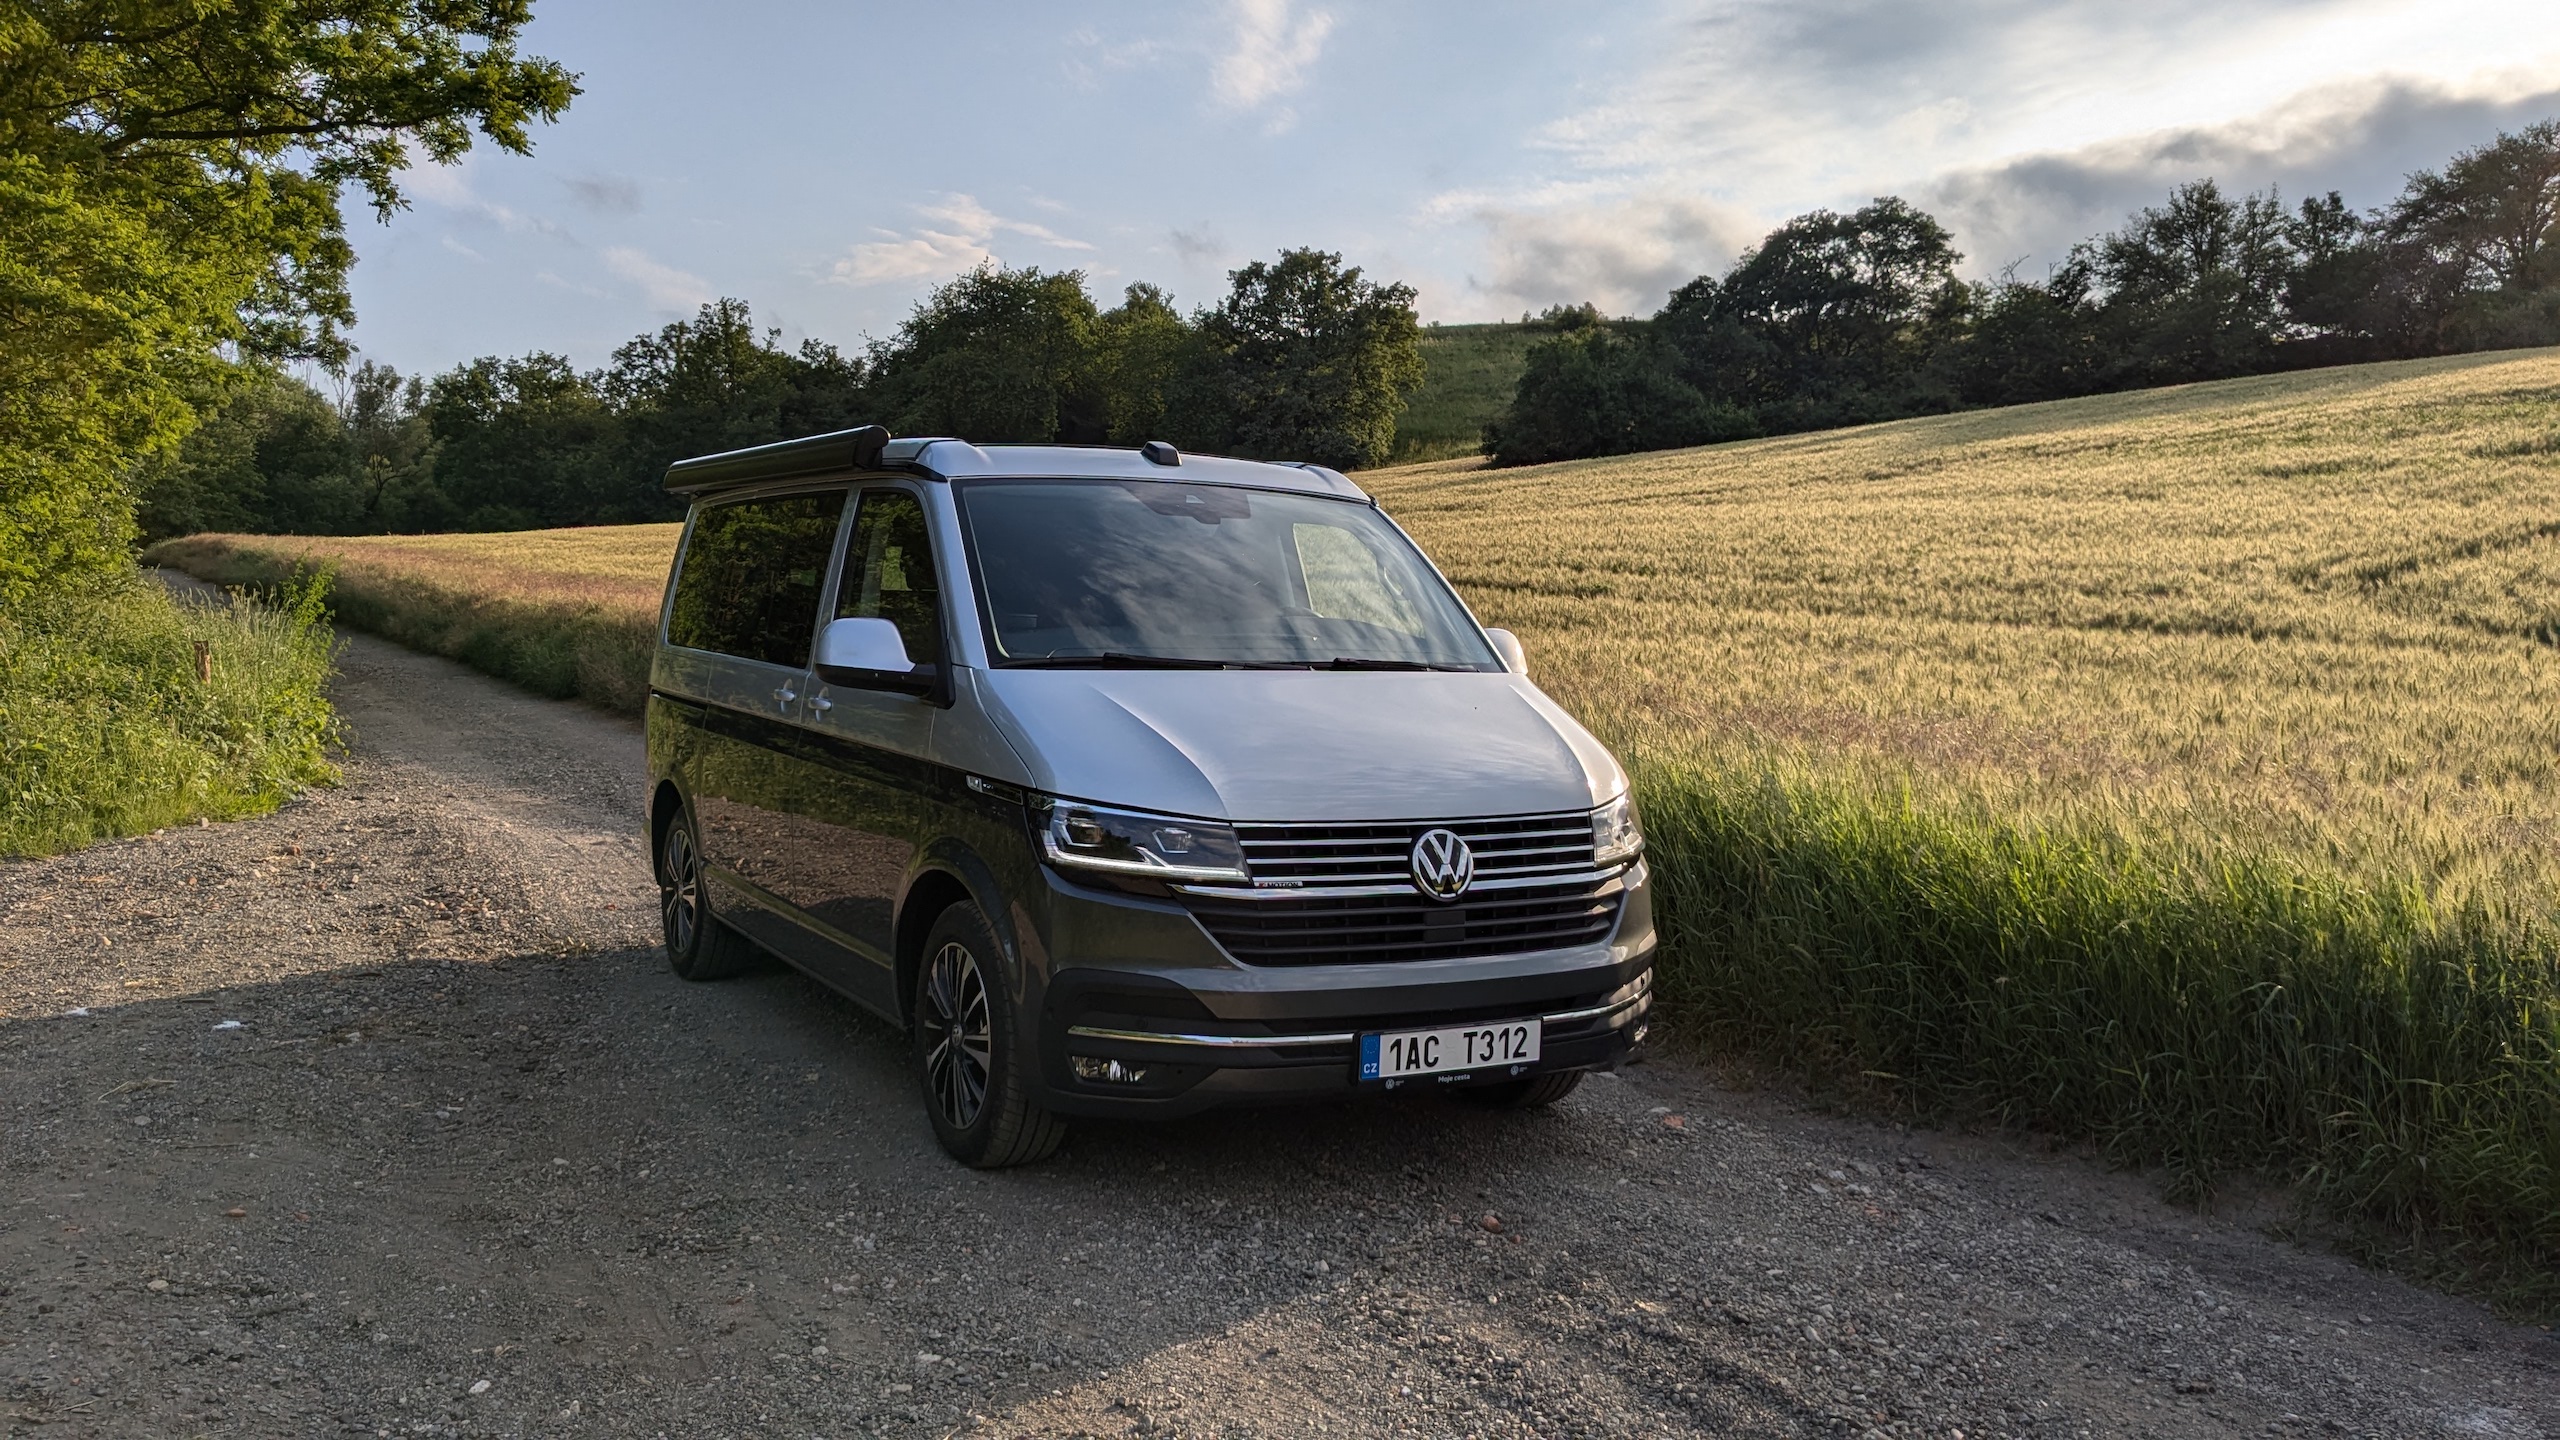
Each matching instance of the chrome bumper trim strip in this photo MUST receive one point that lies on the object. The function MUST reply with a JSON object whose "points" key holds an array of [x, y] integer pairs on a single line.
{"points": [[1213, 1042], [1643, 995]]}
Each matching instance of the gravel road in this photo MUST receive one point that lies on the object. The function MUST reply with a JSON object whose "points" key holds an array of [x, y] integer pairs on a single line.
{"points": [[383, 1116]]}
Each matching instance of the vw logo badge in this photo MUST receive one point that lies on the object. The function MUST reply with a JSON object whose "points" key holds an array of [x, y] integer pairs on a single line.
{"points": [[1442, 865]]}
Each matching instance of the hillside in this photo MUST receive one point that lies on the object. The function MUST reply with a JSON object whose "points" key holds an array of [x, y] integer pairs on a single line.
{"points": [[1469, 372]]}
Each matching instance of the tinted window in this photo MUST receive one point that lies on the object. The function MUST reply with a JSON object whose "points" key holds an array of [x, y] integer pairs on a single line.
{"points": [[1096, 572], [888, 572], [751, 577]]}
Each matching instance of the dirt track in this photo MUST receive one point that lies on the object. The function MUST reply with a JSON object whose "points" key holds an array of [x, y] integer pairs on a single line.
{"points": [[472, 1162]]}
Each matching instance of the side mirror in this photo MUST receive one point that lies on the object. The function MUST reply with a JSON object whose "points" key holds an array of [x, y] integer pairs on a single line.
{"points": [[866, 653], [1507, 645]]}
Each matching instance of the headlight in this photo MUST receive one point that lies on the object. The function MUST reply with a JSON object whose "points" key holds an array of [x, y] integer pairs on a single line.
{"points": [[1132, 842], [1615, 836]]}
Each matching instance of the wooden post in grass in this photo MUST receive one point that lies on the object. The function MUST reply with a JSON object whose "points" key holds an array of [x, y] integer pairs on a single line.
{"points": [[204, 662]]}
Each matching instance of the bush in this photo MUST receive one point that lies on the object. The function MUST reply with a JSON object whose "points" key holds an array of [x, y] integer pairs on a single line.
{"points": [[105, 729], [1591, 391]]}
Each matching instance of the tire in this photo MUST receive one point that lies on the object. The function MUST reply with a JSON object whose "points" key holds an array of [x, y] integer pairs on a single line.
{"points": [[700, 945], [1532, 1092], [969, 1052]]}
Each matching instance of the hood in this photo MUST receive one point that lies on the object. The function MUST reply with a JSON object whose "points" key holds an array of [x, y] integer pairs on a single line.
{"points": [[1298, 745]]}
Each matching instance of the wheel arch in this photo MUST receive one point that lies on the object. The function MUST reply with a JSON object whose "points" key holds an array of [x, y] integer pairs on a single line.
{"points": [[665, 804], [944, 877]]}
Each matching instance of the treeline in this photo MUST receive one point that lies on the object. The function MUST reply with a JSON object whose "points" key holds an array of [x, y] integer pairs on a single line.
{"points": [[1843, 319], [1304, 359]]}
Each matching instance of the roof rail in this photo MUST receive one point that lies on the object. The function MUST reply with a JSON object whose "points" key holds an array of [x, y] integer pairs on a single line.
{"points": [[855, 449]]}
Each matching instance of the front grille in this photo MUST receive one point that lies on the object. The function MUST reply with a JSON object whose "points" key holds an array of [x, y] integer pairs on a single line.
{"points": [[1364, 929], [1375, 854], [1535, 888]]}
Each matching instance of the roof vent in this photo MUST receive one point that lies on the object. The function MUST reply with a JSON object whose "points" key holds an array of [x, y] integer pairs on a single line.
{"points": [[1157, 452]]}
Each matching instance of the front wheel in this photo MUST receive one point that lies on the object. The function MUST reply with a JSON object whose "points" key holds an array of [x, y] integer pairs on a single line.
{"points": [[969, 1051]]}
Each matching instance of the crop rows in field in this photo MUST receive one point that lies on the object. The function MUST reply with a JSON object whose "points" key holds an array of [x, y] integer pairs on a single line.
{"points": [[2315, 613]]}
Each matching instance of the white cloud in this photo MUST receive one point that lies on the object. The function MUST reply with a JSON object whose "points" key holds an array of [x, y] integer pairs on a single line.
{"points": [[1268, 53], [1625, 256], [448, 187], [666, 287], [2361, 139], [958, 239], [2025, 124]]}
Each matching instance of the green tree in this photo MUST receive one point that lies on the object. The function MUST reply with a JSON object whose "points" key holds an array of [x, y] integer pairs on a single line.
{"points": [[272, 455], [1308, 360], [1592, 391], [996, 355], [708, 384], [170, 175], [2493, 212], [1143, 350], [271, 441], [2028, 341], [519, 444], [2193, 289], [1832, 319], [2476, 246]]}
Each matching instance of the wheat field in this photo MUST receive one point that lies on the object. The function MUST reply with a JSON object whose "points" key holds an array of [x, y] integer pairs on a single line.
{"points": [[2319, 613], [2175, 771]]}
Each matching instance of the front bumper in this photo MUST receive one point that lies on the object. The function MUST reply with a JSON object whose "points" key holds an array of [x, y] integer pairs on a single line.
{"points": [[1212, 1032]]}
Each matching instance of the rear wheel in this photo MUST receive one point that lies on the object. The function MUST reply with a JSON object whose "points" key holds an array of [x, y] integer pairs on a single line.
{"points": [[969, 1051], [700, 945], [1535, 1092]]}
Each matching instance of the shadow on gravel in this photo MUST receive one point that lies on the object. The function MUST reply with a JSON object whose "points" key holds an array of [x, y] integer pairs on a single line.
{"points": [[599, 1187]]}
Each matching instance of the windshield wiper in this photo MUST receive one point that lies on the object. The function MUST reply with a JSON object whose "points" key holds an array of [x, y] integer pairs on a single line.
{"points": [[1122, 660], [1357, 662]]}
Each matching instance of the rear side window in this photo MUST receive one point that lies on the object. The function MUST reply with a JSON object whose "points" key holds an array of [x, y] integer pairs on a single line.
{"points": [[888, 573], [751, 577]]}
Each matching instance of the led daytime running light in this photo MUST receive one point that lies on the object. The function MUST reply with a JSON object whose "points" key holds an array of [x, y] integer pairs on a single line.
{"points": [[1076, 835]]}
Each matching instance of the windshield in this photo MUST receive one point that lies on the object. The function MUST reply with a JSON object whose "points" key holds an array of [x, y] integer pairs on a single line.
{"points": [[1146, 572]]}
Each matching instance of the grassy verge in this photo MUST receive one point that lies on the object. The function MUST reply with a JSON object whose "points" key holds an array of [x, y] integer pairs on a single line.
{"points": [[2211, 1014], [564, 613], [106, 730]]}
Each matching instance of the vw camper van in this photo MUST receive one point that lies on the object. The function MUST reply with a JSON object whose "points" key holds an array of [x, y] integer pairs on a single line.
{"points": [[1128, 783]]}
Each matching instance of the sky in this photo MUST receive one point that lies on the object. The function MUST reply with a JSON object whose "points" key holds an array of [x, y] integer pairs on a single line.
{"points": [[830, 162]]}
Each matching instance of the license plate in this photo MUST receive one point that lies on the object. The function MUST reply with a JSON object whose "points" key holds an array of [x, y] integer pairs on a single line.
{"points": [[1458, 1048]]}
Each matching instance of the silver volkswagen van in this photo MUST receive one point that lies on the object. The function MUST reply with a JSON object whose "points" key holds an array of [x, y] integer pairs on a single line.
{"points": [[1128, 783]]}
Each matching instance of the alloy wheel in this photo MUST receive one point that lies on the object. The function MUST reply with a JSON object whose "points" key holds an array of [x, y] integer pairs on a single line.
{"points": [[959, 1045], [680, 889]]}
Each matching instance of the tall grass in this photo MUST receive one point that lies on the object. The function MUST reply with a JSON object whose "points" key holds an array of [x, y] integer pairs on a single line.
{"points": [[2207, 1011], [106, 730], [571, 614]]}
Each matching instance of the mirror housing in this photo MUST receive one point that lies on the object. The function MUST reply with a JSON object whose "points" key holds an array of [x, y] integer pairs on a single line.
{"points": [[866, 653], [1507, 645]]}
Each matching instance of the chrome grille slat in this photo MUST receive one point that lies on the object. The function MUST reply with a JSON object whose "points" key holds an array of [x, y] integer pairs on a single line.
{"points": [[1348, 897]]}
